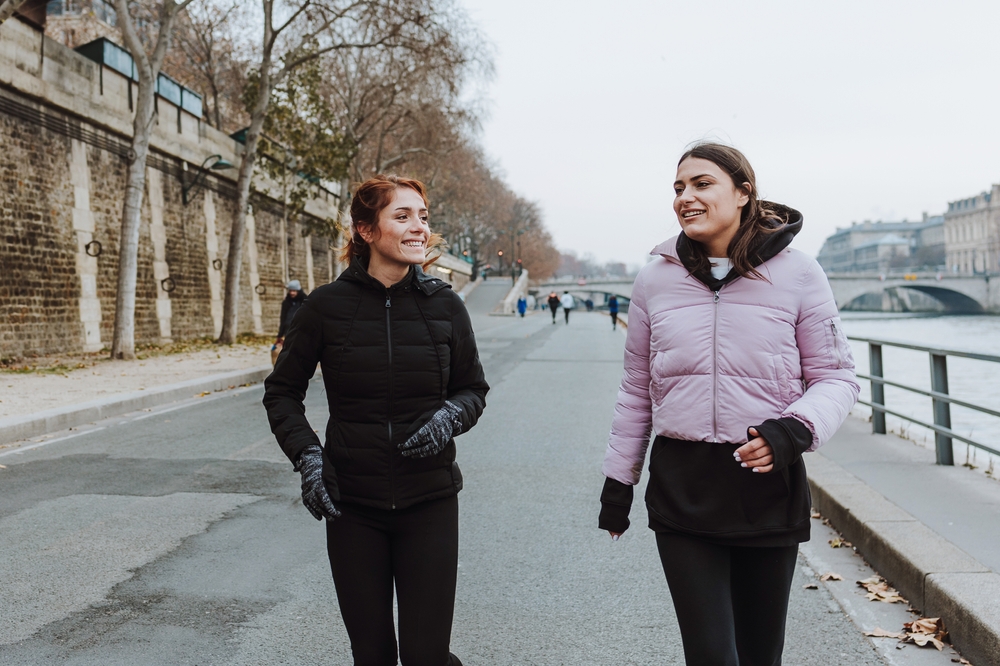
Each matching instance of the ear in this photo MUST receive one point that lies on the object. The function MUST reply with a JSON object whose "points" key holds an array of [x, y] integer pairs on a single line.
{"points": [[746, 189], [365, 232]]}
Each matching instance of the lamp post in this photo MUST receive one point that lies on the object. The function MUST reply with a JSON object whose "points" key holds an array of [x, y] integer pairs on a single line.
{"points": [[188, 191]]}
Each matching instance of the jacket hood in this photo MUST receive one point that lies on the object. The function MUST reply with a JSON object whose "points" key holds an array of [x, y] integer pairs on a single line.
{"points": [[358, 272], [680, 248]]}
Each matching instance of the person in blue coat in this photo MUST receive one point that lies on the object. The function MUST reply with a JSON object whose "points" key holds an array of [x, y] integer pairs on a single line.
{"points": [[522, 305], [613, 309]]}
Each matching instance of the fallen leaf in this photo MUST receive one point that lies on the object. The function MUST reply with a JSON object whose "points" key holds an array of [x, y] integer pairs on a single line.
{"points": [[815, 514], [879, 632], [879, 590], [923, 640], [203, 394], [831, 576], [3, 466], [837, 542], [810, 586]]}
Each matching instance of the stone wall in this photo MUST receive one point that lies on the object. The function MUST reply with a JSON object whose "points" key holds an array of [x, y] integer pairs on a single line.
{"points": [[62, 177]]}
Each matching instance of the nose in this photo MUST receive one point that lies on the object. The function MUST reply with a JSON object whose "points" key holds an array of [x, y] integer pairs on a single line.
{"points": [[684, 196]]}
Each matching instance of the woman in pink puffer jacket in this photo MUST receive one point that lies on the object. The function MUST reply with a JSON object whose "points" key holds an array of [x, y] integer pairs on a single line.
{"points": [[736, 360]]}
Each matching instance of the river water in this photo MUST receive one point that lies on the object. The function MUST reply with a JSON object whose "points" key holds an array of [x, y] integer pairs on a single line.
{"points": [[977, 382]]}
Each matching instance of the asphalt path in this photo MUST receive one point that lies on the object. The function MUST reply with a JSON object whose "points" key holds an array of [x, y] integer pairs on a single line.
{"points": [[177, 536]]}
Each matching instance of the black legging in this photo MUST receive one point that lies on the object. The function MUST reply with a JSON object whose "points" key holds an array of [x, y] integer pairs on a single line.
{"points": [[614, 320], [731, 601], [415, 548]]}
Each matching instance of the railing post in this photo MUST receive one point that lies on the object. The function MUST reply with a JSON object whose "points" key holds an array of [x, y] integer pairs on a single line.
{"points": [[942, 409], [878, 388]]}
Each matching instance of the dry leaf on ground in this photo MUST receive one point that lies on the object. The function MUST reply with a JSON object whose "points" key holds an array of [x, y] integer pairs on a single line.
{"points": [[203, 394], [815, 514], [926, 631], [810, 586], [831, 576], [879, 632], [879, 590], [837, 542]]}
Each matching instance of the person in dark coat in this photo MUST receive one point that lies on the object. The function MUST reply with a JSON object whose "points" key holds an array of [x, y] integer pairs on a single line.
{"points": [[554, 303], [293, 300], [613, 309], [402, 376]]}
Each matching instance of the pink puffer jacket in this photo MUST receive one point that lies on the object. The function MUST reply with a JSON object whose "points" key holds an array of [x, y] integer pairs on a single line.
{"points": [[703, 366]]}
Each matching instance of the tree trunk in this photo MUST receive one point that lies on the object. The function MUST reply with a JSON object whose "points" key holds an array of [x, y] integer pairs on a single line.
{"points": [[230, 308], [123, 341]]}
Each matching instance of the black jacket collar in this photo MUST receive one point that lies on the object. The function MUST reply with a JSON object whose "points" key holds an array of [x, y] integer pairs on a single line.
{"points": [[415, 277]]}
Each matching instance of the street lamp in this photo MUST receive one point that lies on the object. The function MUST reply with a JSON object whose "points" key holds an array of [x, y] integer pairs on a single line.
{"points": [[188, 191]]}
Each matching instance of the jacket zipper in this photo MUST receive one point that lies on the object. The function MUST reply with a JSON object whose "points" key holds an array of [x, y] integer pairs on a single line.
{"points": [[715, 370], [836, 345], [388, 338]]}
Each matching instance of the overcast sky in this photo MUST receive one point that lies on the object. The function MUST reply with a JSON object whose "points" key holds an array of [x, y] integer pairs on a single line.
{"points": [[848, 110]]}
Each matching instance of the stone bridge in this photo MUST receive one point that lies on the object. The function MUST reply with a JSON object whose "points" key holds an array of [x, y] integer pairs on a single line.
{"points": [[586, 287], [957, 293]]}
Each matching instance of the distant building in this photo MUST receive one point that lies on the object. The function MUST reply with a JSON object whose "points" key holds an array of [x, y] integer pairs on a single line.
{"points": [[885, 246], [972, 233], [77, 22]]}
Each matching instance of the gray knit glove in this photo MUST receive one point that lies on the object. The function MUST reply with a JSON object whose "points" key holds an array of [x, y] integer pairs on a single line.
{"points": [[314, 495], [434, 435]]}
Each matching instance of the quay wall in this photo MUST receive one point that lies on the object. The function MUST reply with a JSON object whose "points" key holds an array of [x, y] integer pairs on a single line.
{"points": [[65, 123]]}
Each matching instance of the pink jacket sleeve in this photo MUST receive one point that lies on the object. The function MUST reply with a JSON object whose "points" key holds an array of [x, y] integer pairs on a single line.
{"points": [[632, 424], [827, 362]]}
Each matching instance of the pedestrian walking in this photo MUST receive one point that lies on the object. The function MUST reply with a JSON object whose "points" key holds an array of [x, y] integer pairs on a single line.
{"points": [[402, 377], [613, 309], [554, 303], [522, 306], [294, 298], [736, 360], [567, 303]]}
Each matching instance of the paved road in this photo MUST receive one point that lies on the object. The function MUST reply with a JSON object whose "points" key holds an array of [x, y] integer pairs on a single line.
{"points": [[177, 536]]}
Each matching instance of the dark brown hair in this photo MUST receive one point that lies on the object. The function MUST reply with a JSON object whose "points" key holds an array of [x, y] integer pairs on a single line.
{"points": [[370, 199], [757, 219]]}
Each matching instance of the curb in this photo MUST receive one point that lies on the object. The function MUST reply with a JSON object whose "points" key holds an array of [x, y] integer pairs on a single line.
{"points": [[932, 573], [17, 428]]}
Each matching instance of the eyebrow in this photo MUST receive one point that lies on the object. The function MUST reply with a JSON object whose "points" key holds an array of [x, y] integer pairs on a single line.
{"points": [[408, 208]]}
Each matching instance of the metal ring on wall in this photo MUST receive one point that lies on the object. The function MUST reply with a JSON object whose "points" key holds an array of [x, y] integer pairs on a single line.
{"points": [[167, 284], [93, 248], [217, 264], [260, 289]]}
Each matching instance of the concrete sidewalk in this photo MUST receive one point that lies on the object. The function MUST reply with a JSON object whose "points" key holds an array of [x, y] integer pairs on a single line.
{"points": [[932, 531], [15, 428]]}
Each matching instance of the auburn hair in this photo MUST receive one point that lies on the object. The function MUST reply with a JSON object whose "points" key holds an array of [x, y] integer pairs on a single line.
{"points": [[370, 199], [758, 218]]}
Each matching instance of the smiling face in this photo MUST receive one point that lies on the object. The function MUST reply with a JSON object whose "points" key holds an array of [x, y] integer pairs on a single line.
{"points": [[400, 239], [708, 204]]}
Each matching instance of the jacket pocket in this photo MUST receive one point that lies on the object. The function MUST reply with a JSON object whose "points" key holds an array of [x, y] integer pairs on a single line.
{"points": [[456, 475], [837, 344]]}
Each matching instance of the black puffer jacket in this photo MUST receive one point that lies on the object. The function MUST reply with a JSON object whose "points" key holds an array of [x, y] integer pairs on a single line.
{"points": [[390, 357]]}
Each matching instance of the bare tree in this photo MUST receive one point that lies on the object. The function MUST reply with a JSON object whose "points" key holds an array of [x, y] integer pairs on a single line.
{"points": [[8, 7], [147, 66], [310, 29], [210, 56]]}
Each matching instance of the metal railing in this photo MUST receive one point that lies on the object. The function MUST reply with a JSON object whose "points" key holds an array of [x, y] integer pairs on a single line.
{"points": [[940, 399]]}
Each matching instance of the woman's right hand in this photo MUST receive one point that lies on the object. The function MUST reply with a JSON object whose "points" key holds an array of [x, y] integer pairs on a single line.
{"points": [[614, 535], [314, 494]]}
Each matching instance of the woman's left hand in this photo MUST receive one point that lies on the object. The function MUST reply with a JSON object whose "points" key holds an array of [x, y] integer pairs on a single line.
{"points": [[755, 454]]}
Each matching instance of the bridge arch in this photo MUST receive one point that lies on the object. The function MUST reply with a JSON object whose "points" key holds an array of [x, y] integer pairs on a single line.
{"points": [[953, 302]]}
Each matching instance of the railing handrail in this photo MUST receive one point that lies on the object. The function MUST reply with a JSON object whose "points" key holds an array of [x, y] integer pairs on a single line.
{"points": [[932, 350], [940, 399]]}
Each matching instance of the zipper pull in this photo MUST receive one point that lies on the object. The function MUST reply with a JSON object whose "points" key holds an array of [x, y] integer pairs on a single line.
{"points": [[716, 296], [388, 301]]}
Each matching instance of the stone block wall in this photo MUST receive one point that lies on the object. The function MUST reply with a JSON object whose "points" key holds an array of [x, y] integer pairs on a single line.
{"points": [[61, 193]]}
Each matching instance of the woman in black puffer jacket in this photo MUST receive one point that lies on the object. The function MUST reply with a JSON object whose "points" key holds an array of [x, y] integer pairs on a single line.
{"points": [[403, 377]]}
